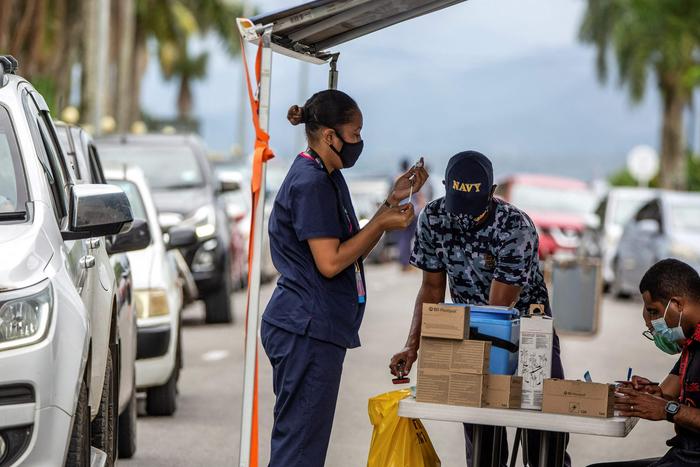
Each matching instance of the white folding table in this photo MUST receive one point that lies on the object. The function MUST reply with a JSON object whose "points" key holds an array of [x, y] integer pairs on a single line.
{"points": [[553, 426]]}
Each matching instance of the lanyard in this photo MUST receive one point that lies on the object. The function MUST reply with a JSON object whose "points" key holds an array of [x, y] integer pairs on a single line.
{"points": [[318, 160], [359, 281]]}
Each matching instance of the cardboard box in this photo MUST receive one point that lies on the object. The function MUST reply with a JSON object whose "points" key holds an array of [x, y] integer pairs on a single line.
{"points": [[446, 387], [535, 356], [503, 391], [471, 357], [467, 390], [445, 321], [578, 398], [433, 386]]}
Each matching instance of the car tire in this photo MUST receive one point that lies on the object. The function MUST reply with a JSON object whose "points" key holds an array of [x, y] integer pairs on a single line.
{"points": [[104, 426], [79, 448], [616, 286], [162, 400], [127, 428], [217, 305]]}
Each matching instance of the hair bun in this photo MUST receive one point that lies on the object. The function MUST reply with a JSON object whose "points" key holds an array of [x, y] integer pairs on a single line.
{"points": [[295, 115]]}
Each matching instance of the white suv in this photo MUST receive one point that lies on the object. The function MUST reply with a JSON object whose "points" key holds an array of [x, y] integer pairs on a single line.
{"points": [[48, 273], [158, 295], [114, 323]]}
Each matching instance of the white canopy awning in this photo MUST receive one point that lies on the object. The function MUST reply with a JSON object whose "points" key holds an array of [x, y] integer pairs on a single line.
{"points": [[309, 30]]}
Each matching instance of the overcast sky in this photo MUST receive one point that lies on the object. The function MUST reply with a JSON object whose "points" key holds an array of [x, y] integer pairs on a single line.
{"points": [[506, 77]]}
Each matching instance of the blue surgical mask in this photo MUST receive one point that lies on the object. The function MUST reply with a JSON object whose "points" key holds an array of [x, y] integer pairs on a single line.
{"points": [[667, 339]]}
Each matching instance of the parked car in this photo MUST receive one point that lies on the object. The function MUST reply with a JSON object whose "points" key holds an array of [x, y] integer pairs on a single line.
{"points": [[185, 195], [158, 296], [50, 277], [85, 167], [238, 205], [368, 194], [559, 207], [602, 237], [668, 226]]}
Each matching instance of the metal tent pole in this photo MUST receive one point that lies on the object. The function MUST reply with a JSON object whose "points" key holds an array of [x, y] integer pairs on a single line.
{"points": [[251, 343], [333, 72]]}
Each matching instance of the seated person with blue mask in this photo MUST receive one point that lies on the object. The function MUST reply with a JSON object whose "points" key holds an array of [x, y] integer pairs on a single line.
{"points": [[671, 293]]}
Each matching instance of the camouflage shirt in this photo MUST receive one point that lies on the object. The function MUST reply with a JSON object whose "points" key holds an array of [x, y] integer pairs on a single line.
{"points": [[503, 249]]}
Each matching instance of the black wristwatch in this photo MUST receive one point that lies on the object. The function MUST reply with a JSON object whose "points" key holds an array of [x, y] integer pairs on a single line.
{"points": [[672, 408]]}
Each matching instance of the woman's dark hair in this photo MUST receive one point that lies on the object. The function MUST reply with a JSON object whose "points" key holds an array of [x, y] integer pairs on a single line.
{"points": [[330, 108]]}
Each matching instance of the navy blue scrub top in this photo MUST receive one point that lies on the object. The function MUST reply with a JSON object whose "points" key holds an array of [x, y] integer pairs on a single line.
{"points": [[311, 203]]}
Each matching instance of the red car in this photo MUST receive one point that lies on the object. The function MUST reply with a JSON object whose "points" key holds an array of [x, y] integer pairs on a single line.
{"points": [[560, 208]]}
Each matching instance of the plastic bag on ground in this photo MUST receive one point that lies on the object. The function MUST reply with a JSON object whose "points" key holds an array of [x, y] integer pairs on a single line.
{"points": [[398, 441]]}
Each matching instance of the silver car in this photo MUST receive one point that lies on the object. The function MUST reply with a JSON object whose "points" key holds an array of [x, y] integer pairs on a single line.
{"points": [[668, 226], [49, 273], [614, 212]]}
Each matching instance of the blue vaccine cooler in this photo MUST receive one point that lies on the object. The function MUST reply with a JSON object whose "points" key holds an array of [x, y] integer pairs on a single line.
{"points": [[500, 323]]}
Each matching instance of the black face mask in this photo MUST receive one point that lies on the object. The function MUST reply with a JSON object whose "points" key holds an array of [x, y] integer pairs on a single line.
{"points": [[349, 153]]}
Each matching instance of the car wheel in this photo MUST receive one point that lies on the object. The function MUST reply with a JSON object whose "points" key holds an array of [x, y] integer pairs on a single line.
{"points": [[162, 400], [616, 287], [104, 426], [218, 305], [79, 448], [127, 429]]}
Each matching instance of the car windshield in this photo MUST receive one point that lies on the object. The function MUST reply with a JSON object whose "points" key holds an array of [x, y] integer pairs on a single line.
{"points": [[625, 208], [531, 198], [166, 168], [138, 210], [685, 215], [12, 183]]}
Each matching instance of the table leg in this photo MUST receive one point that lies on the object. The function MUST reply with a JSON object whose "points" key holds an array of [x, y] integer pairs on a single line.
{"points": [[557, 441], [497, 446], [560, 448], [526, 450], [544, 448], [476, 445]]}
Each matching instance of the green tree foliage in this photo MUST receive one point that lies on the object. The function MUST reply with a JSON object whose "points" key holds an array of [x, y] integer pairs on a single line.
{"points": [[659, 38]]}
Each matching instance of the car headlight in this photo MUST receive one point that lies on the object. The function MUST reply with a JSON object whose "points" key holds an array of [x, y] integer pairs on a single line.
{"points": [[203, 220], [24, 320], [151, 303], [205, 258]]}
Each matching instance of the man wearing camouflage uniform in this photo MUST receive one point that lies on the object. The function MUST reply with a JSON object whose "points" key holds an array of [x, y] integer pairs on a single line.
{"points": [[488, 249]]}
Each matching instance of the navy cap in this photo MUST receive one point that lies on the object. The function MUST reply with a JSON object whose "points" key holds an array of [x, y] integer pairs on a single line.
{"points": [[468, 182]]}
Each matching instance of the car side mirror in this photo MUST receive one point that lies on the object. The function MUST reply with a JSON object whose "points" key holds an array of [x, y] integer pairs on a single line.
{"points": [[137, 238], [228, 183], [180, 237], [649, 226], [97, 210]]}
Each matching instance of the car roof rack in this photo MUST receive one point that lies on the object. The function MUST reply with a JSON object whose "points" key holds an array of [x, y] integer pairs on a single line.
{"points": [[9, 65]]}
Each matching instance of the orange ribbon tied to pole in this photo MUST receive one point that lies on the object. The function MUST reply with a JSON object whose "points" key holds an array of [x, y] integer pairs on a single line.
{"points": [[262, 153]]}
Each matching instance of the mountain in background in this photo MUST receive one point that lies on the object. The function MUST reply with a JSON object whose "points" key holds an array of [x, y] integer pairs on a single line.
{"points": [[530, 107]]}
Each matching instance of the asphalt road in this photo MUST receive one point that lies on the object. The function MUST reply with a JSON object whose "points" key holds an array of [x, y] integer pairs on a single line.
{"points": [[205, 430]]}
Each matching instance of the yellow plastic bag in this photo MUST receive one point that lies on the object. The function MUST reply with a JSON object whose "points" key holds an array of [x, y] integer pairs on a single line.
{"points": [[398, 441]]}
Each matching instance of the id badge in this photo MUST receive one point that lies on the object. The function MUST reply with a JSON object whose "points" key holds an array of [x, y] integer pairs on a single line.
{"points": [[361, 294]]}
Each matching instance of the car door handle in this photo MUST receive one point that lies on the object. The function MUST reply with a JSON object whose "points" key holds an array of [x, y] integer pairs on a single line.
{"points": [[87, 262]]}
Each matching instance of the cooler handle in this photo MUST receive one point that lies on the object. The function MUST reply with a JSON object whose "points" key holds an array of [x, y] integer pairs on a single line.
{"points": [[497, 341]]}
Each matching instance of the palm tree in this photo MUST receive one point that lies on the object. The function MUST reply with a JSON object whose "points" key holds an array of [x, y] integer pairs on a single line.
{"points": [[44, 35], [659, 37], [187, 69], [170, 23]]}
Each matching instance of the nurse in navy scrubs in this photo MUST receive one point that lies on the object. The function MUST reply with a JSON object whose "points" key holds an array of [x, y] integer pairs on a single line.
{"points": [[317, 246]]}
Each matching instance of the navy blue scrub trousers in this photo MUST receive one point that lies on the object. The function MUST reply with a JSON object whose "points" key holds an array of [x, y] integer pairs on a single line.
{"points": [[306, 378]]}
